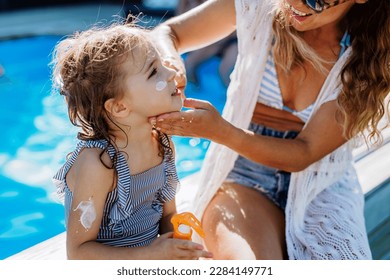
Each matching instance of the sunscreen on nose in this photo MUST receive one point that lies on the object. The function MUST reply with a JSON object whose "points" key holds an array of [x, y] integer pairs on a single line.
{"points": [[183, 224], [161, 85]]}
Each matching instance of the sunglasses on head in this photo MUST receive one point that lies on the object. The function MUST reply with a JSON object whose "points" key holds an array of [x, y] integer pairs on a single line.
{"points": [[320, 5]]}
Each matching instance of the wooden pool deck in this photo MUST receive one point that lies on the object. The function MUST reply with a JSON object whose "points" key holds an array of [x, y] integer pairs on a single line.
{"points": [[373, 166]]}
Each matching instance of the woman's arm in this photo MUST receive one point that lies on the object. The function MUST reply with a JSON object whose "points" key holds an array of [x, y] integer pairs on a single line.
{"points": [[199, 27], [203, 25], [321, 136]]}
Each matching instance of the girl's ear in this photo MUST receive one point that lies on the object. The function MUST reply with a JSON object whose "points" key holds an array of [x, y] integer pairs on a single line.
{"points": [[117, 108]]}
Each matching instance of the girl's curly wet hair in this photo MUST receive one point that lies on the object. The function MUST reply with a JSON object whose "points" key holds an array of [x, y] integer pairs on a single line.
{"points": [[87, 72]]}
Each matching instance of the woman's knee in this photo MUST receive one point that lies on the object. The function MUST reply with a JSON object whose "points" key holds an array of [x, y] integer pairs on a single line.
{"points": [[239, 224]]}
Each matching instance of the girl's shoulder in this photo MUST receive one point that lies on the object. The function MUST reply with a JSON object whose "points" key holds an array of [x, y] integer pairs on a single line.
{"points": [[96, 157], [92, 164], [93, 158]]}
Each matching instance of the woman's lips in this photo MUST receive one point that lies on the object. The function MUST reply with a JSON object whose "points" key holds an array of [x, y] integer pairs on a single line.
{"points": [[298, 15]]}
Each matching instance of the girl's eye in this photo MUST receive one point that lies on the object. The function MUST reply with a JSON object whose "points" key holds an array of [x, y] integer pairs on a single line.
{"points": [[154, 71]]}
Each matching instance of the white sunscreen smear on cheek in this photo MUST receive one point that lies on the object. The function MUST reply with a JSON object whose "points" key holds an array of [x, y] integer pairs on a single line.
{"points": [[88, 213], [161, 85]]}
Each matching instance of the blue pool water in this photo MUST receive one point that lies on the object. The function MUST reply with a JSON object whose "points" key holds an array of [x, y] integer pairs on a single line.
{"points": [[36, 136]]}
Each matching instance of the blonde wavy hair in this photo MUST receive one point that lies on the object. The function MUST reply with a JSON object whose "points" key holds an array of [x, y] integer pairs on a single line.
{"points": [[365, 77]]}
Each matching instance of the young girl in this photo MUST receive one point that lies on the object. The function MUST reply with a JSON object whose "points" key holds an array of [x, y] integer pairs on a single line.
{"points": [[119, 184]]}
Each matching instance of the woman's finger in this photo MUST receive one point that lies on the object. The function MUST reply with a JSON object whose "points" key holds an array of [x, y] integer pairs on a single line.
{"points": [[178, 66], [196, 103], [181, 79], [174, 129], [188, 103], [200, 121], [170, 116], [181, 120]]}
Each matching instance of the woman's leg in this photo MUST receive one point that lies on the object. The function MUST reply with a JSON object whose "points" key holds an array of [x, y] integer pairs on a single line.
{"points": [[241, 223]]}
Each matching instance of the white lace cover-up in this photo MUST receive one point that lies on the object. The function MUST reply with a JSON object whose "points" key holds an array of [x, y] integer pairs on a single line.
{"points": [[324, 211]]}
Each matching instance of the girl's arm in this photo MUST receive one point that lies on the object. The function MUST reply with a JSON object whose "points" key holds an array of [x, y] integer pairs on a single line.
{"points": [[90, 182], [322, 135], [169, 211]]}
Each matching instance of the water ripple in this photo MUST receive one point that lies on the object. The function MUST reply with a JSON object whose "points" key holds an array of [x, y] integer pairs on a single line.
{"points": [[19, 226]]}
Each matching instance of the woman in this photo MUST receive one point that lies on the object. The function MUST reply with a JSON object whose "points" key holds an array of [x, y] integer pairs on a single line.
{"points": [[310, 77]]}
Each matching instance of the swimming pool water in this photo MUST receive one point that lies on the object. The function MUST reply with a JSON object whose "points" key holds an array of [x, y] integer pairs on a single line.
{"points": [[36, 136]]}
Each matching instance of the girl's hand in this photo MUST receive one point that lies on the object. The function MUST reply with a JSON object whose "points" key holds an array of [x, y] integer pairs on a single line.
{"points": [[167, 248], [203, 121]]}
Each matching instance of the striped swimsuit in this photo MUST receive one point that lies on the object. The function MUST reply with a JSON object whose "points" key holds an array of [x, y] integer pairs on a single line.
{"points": [[270, 93], [133, 210]]}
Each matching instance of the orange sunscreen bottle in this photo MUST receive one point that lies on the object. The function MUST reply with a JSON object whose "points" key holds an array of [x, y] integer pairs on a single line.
{"points": [[182, 224]]}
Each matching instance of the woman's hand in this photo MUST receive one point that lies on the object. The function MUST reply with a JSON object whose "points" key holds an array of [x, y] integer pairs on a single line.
{"points": [[202, 121], [176, 63], [168, 248], [165, 40]]}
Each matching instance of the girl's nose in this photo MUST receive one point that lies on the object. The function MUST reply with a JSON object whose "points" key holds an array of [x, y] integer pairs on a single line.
{"points": [[171, 74]]}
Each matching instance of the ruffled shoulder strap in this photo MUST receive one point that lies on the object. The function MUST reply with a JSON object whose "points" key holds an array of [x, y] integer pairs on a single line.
{"points": [[123, 205], [59, 177]]}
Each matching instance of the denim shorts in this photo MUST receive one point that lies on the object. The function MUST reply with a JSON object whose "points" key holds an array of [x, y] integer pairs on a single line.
{"points": [[271, 182]]}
